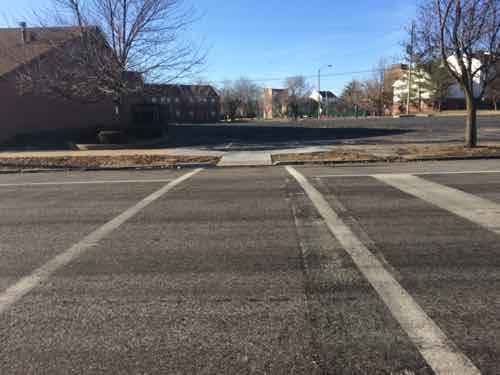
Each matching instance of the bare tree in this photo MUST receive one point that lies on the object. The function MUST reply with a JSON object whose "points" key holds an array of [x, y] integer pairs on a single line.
{"points": [[240, 98], [493, 93], [297, 89], [117, 44], [230, 100], [465, 35], [250, 94], [439, 84], [353, 93], [377, 96]]}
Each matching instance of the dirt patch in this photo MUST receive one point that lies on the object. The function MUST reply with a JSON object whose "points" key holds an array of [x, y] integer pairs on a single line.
{"points": [[102, 161], [333, 156], [447, 151], [399, 153]]}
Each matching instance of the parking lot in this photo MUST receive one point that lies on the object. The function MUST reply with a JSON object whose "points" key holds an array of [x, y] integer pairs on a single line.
{"points": [[267, 135], [370, 269]]}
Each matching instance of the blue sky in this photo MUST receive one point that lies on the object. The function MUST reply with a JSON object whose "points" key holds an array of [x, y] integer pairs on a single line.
{"points": [[263, 39]]}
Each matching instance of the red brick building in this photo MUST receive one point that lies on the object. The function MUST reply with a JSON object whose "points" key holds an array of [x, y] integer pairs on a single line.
{"points": [[163, 104], [43, 116], [36, 113]]}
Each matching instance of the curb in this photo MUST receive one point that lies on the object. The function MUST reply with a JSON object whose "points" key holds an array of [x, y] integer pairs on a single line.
{"points": [[214, 166], [122, 168], [329, 162], [396, 160]]}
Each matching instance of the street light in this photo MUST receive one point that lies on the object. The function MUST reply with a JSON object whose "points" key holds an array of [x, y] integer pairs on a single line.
{"points": [[319, 88]]}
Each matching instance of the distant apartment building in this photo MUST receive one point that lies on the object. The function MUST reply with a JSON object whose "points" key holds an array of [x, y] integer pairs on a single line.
{"points": [[163, 104], [421, 95], [325, 96], [393, 73], [275, 103]]}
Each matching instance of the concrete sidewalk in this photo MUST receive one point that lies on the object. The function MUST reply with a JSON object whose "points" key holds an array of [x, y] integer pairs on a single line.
{"points": [[246, 158]]}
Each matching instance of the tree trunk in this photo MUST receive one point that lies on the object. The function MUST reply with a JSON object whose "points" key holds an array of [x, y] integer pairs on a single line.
{"points": [[471, 122]]}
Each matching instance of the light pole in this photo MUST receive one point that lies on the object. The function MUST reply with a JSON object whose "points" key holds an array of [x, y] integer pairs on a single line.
{"points": [[319, 88]]}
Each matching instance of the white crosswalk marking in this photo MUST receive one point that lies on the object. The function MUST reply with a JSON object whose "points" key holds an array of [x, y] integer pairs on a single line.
{"points": [[441, 355], [22, 287], [468, 206]]}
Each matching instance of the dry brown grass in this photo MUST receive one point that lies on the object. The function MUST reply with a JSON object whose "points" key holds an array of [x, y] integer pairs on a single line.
{"points": [[447, 151], [334, 156], [102, 161], [392, 154]]}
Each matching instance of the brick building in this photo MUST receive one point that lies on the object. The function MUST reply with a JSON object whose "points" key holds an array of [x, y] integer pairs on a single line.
{"points": [[36, 113], [43, 116], [275, 103], [162, 104]]}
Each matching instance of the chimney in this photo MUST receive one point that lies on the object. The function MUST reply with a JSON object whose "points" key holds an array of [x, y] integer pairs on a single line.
{"points": [[24, 36]]}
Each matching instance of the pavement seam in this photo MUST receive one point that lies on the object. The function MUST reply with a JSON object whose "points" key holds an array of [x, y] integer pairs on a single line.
{"points": [[304, 252], [39, 276], [356, 228], [442, 355]]}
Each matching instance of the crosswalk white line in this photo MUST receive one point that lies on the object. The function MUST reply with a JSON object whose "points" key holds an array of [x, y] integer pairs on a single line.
{"points": [[468, 206], [431, 173], [436, 348], [22, 287]]}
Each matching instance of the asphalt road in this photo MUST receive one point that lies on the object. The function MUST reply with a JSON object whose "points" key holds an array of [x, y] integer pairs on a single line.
{"points": [[310, 270], [386, 130]]}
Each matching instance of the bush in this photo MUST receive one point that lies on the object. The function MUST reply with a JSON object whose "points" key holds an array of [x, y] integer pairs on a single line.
{"points": [[112, 137]]}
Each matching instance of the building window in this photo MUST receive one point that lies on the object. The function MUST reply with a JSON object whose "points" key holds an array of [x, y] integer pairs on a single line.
{"points": [[177, 100], [178, 113], [163, 100], [204, 100], [213, 113], [191, 113], [153, 100], [191, 100], [168, 100]]}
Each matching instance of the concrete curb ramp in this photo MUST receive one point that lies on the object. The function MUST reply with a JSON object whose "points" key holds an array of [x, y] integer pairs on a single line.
{"points": [[246, 158]]}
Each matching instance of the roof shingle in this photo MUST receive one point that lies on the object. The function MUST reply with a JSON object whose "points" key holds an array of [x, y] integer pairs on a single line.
{"points": [[38, 41]]}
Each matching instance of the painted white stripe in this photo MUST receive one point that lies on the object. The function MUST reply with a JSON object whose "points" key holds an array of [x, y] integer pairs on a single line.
{"points": [[441, 355], [89, 182], [15, 292], [415, 174], [468, 206]]}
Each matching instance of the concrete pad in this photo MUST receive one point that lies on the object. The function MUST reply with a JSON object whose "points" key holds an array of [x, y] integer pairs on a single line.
{"points": [[245, 158]]}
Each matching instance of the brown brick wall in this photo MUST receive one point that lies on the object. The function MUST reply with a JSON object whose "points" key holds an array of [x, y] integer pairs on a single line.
{"points": [[32, 114]]}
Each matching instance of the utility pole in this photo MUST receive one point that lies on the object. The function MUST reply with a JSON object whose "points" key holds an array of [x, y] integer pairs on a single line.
{"points": [[412, 43], [319, 89], [319, 94]]}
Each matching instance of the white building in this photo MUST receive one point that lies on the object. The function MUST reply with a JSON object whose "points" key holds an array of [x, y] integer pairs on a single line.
{"points": [[325, 96], [421, 88], [455, 91]]}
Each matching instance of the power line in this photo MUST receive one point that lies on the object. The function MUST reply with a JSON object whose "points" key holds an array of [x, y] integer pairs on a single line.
{"points": [[311, 76]]}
